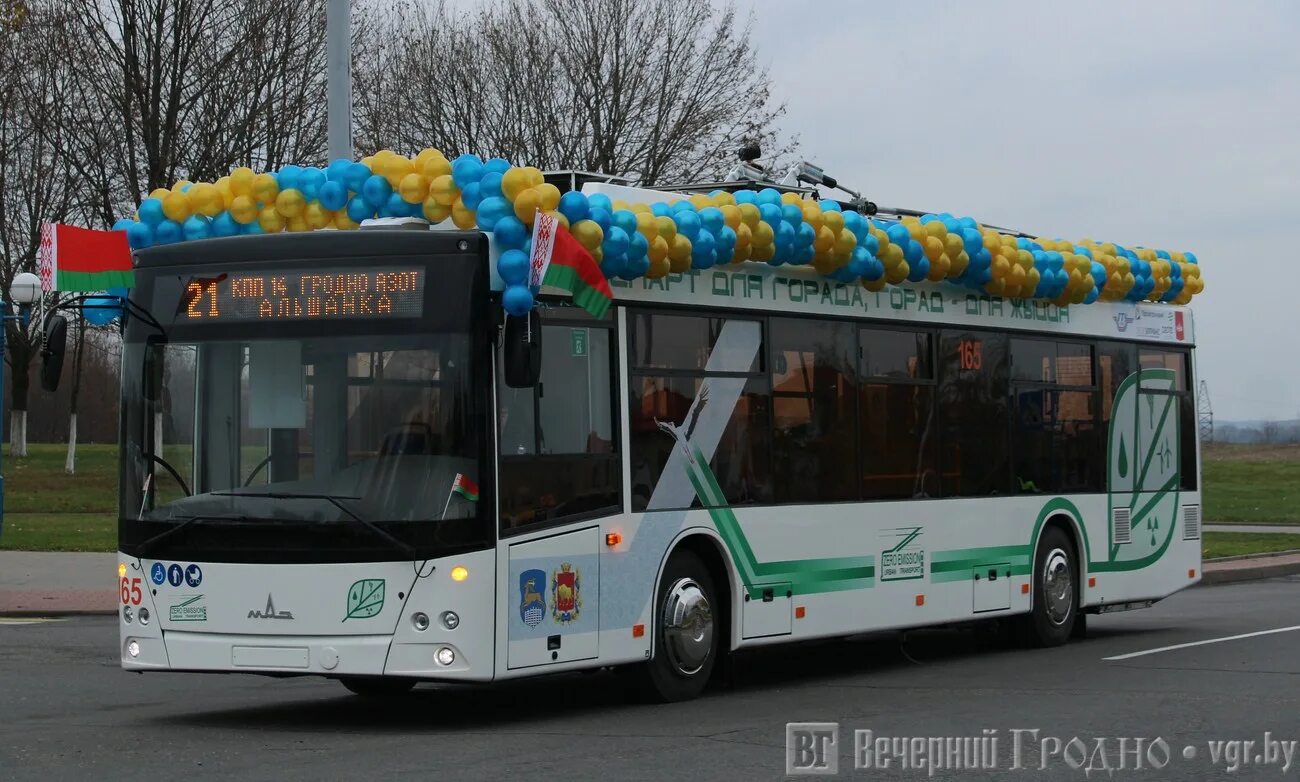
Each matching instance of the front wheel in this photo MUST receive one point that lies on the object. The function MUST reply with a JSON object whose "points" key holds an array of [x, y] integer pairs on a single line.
{"points": [[377, 686], [1056, 591], [686, 641]]}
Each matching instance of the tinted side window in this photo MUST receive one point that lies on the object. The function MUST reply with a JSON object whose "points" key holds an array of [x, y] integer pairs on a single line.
{"points": [[814, 448], [899, 436], [973, 413]]}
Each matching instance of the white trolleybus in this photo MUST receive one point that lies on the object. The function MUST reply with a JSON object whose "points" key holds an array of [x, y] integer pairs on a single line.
{"points": [[325, 472]]}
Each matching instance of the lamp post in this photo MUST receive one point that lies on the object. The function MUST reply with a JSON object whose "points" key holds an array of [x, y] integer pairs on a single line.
{"points": [[24, 291]]}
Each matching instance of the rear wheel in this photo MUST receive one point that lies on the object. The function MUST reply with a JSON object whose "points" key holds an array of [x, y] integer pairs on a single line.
{"points": [[377, 686], [1056, 597], [686, 641]]}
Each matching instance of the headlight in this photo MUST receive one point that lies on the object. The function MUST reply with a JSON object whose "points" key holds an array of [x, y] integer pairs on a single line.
{"points": [[127, 615], [445, 656], [144, 616], [133, 648], [420, 621], [450, 620]]}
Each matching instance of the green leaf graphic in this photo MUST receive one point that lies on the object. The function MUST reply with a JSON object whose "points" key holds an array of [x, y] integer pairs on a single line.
{"points": [[365, 598], [1123, 458]]}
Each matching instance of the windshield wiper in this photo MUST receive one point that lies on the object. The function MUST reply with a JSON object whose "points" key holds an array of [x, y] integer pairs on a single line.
{"points": [[336, 501], [150, 543]]}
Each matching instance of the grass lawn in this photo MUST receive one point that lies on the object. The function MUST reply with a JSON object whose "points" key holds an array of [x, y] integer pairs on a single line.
{"points": [[1254, 484], [1231, 544], [59, 532]]}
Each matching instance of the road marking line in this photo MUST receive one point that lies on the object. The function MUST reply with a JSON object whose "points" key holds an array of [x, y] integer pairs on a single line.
{"points": [[1202, 643], [25, 620]]}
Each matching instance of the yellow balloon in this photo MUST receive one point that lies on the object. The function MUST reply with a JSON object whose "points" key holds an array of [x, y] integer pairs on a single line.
{"points": [[588, 233], [514, 181], [939, 268], [933, 248], [897, 273], [723, 198], [659, 267], [741, 254], [559, 216], [227, 195], [825, 240], [159, 193], [790, 198], [834, 221], [205, 199], [744, 238], [317, 216], [435, 212], [764, 252], [527, 203], [271, 221], [399, 168], [243, 210], [297, 224], [749, 215], [875, 286], [176, 206], [658, 250], [680, 253], [667, 228], [823, 263], [181, 183], [892, 256], [550, 196], [535, 177], [731, 215], [462, 216], [935, 228], [290, 203], [647, 225], [443, 190], [265, 188], [436, 166], [423, 157], [845, 242], [343, 222], [952, 245], [414, 188], [763, 235], [812, 214]]}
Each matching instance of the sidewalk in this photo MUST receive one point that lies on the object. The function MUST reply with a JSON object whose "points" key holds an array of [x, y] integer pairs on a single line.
{"points": [[37, 583], [34, 583]]}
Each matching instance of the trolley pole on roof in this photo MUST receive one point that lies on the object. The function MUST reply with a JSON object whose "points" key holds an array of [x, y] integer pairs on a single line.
{"points": [[338, 74]]}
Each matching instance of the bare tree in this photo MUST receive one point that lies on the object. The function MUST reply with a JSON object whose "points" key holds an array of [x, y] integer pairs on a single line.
{"points": [[656, 89]]}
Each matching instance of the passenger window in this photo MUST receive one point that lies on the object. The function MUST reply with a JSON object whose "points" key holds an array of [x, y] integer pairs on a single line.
{"points": [[973, 413], [896, 415], [558, 443]]}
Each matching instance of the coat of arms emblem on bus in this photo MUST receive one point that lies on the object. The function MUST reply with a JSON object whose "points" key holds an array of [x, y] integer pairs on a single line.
{"points": [[532, 603], [566, 599]]}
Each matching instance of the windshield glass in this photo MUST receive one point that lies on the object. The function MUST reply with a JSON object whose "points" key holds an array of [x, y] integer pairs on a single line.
{"points": [[371, 435]]}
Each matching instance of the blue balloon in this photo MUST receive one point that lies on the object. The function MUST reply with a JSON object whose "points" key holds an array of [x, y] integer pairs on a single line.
{"points": [[856, 225], [359, 209], [376, 191], [913, 252], [510, 232], [726, 241], [139, 235], [769, 195], [224, 225], [513, 267], [491, 210], [337, 171], [288, 177], [843, 274], [638, 246], [600, 201], [830, 206], [770, 214], [574, 206], [804, 253], [792, 214], [786, 236], [394, 206], [356, 176], [712, 219], [917, 271], [971, 240], [497, 165], [1191, 258], [333, 195], [635, 267], [682, 206], [703, 249], [616, 242], [471, 195], [805, 234], [310, 182], [871, 244], [490, 185], [600, 216], [466, 169], [124, 224], [747, 197], [660, 209], [688, 224], [897, 233], [517, 300], [252, 228], [197, 227], [626, 219], [612, 266], [151, 212], [168, 232], [101, 310]]}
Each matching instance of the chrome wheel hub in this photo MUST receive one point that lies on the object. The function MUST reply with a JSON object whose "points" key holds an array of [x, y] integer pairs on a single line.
{"points": [[1058, 587], [688, 627]]}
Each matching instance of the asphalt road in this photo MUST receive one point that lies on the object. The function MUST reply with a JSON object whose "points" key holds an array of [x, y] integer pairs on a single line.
{"points": [[68, 712]]}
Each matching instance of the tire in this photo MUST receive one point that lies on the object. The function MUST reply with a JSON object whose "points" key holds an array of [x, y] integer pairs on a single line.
{"points": [[377, 686], [686, 641], [1055, 610]]}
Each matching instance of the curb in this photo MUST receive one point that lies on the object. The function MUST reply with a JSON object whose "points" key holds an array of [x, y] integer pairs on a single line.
{"points": [[32, 613], [1263, 570]]}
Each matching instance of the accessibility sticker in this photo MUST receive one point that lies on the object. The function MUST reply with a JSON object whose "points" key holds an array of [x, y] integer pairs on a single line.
{"points": [[158, 573], [175, 575], [193, 575]]}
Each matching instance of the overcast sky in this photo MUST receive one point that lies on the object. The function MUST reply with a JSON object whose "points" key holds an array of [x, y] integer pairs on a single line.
{"points": [[1173, 125]]}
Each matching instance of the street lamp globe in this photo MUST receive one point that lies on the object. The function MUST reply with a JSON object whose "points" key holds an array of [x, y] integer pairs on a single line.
{"points": [[26, 288]]}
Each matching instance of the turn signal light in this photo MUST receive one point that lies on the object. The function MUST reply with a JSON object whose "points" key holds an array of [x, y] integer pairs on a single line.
{"points": [[613, 538], [459, 573], [121, 569]]}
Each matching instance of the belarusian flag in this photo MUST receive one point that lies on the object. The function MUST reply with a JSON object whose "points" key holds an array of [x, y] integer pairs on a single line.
{"points": [[560, 260], [80, 259], [465, 487]]}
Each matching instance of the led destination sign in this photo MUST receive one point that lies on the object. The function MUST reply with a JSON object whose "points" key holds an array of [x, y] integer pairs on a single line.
{"points": [[339, 293]]}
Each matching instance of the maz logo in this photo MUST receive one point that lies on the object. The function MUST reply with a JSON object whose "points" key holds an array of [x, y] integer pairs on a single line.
{"points": [[270, 612], [1122, 321]]}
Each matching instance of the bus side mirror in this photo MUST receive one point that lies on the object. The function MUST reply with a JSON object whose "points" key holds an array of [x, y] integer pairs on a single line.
{"points": [[522, 351], [53, 346]]}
